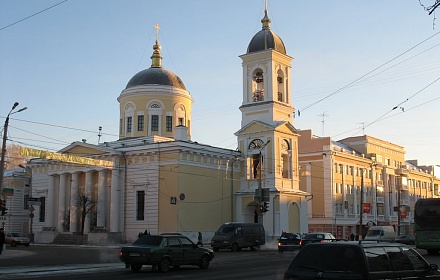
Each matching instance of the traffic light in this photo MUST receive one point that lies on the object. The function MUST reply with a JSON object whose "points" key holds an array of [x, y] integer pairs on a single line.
{"points": [[265, 207]]}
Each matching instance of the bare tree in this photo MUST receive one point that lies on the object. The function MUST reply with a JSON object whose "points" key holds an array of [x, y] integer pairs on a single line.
{"points": [[86, 205], [13, 157], [430, 9]]}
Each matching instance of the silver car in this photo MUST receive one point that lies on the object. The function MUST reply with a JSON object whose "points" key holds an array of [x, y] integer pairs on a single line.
{"points": [[14, 239]]}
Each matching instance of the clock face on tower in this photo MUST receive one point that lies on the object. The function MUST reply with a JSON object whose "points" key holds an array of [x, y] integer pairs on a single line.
{"points": [[256, 144]]}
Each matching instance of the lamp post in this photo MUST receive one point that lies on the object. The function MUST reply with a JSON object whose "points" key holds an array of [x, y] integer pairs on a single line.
{"points": [[5, 133], [260, 188], [31, 207]]}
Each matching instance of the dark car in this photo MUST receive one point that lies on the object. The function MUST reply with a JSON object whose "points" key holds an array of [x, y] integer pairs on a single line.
{"points": [[316, 237], [164, 251], [406, 239], [289, 241], [360, 260]]}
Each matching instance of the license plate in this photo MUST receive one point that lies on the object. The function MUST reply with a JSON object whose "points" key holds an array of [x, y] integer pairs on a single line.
{"points": [[135, 254]]}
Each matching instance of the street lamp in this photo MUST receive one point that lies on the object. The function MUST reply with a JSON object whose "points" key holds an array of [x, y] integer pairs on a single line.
{"points": [[5, 133], [31, 207], [260, 189]]}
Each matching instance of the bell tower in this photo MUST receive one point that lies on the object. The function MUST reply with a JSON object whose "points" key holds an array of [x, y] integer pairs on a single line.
{"points": [[266, 79]]}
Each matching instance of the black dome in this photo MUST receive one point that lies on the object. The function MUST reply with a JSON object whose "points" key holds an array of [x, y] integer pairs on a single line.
{"points": [[266, 39], [155, 76]]}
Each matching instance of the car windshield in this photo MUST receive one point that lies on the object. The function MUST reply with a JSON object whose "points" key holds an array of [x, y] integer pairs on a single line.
{"points": [[14, 234], [317, 236], [328, 258], [226, 230], [149, 240]]}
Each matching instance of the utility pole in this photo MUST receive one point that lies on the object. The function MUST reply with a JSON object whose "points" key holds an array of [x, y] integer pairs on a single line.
{"points": [[260, 188], [5, 135], [361, 205]]}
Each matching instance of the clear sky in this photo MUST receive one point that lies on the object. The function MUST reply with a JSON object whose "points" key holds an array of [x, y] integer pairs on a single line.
{"points": [[69, 64]]}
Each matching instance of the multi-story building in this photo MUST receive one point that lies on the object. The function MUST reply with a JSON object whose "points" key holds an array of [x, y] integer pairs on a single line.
{"points": [[364, 175]]}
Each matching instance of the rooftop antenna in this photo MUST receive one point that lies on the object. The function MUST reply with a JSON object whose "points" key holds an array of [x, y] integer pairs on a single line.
{"points": [[323, 115], [99, 134]]}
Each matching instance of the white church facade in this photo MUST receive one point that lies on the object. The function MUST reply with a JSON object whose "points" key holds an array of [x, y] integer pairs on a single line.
{"points": [[155, 178]]}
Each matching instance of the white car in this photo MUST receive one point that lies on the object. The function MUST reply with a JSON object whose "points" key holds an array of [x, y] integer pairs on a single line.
{"points": [[14, 238]]}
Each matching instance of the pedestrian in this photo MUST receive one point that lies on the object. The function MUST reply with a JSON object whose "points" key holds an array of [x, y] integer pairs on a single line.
{"points": [[352, 236], [146, 232], [2, 240], [200, 239]]}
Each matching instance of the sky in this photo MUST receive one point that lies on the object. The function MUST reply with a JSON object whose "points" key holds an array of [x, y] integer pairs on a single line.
{"points": [[354, 61]]}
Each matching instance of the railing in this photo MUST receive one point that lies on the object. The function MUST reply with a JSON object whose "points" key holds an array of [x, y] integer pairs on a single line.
{"points": [[380, 199]]}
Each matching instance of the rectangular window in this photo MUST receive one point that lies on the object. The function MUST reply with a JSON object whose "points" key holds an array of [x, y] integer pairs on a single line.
{"points": [[129, 124], [154, 123], [25, 202], [169, 124], [181, 121], [141, 123], [140, 205], [42, 209]]}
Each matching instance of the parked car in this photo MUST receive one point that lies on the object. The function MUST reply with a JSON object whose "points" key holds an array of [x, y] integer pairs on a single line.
{"points": [[15, 238], [164, 251], [406, 239], [360, 260], [289, 241], [316, 237]]}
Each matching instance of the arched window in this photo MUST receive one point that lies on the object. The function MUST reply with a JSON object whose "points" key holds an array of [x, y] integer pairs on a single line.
{"points": [[281, 87], [258, 86], [255, 147], [285, 159]]}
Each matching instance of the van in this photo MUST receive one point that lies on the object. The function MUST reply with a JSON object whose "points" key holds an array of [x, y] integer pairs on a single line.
{"points": [[236, 236], [385, 233]]}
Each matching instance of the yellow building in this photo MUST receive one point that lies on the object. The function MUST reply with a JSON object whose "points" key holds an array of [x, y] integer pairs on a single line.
{"points": [[336, 173], [155, 178]]}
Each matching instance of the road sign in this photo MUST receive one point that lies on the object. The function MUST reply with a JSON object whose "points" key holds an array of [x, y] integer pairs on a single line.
{"points": [[34, 201]]}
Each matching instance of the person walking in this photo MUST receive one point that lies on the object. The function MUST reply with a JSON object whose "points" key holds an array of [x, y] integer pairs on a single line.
{"points": [[2, 240], [200, 239]]}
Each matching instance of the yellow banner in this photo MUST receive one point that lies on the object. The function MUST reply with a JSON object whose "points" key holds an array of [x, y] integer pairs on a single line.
{"points": [[64, 157]]}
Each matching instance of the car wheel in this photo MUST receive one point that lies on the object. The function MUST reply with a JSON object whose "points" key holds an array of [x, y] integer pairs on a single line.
{"points": [[204, 262], [164, 265], [235, 248], [215, 249], [136, 267], [13, 244]]}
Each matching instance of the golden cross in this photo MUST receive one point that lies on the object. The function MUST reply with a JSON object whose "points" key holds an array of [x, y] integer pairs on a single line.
{"points": [[157, 31]]}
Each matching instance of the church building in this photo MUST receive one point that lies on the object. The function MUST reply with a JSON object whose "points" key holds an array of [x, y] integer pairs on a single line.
{"points": [[155, 178]]}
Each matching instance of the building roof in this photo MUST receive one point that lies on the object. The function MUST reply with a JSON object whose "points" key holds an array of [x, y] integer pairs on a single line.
{"points": [[155, 76], [266, 39]]}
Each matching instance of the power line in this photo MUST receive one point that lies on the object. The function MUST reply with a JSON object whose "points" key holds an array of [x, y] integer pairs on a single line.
{"points": [[33, 15], [365, 75]]}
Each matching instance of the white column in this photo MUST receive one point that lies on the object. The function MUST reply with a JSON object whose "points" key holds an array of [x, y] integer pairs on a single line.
{"points": [[74, 203], [62, 202], [88, 188], [115, 206], [102, 198], [50, 206]]}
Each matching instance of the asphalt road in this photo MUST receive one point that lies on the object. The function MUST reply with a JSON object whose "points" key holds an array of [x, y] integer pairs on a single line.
{"points": [[67, 262]]}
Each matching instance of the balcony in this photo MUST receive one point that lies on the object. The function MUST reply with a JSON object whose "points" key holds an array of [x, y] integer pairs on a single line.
{"points": [[403, 188], [404, 202], [402, 170], [380, 199], [379, 183]]}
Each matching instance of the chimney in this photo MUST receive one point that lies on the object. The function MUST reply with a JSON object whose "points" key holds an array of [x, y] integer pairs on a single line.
{"points": [[181, 133]]}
